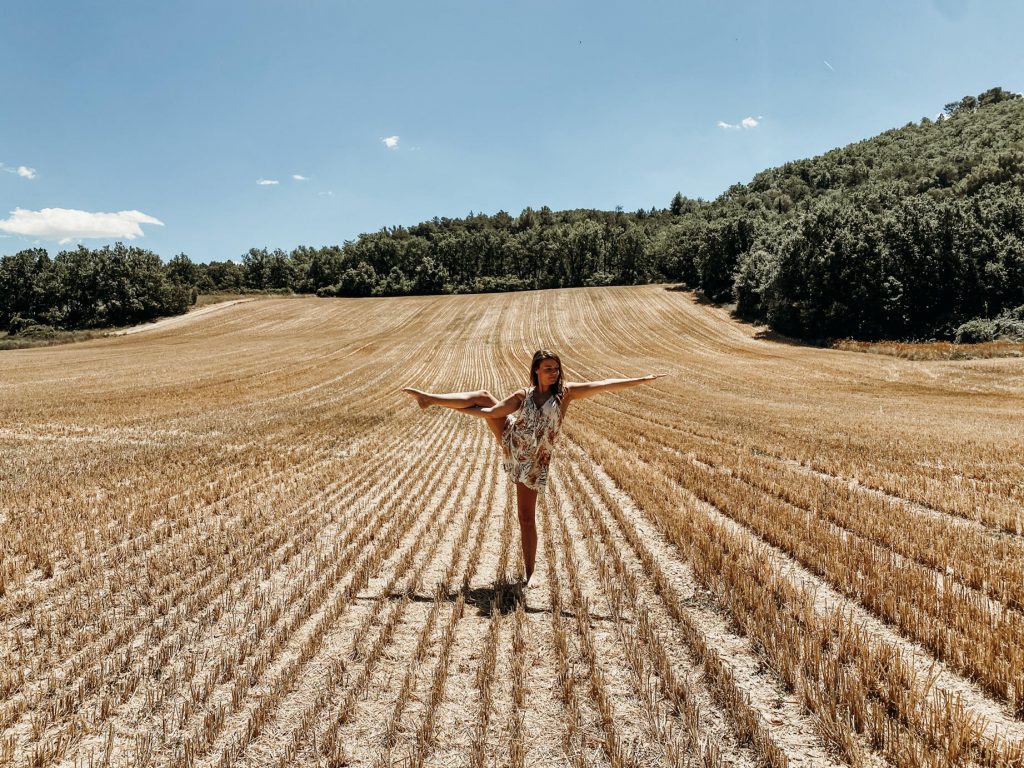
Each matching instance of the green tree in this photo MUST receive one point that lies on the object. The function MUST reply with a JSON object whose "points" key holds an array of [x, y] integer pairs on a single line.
{"points": [[256, 268], [183, 271], [225, 276], [23, 295], [678, 204], [359, 280], [134, 287], [430, 277]]}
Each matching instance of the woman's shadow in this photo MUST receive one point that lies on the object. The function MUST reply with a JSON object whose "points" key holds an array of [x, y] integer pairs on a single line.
{"points": [[500, 597]]}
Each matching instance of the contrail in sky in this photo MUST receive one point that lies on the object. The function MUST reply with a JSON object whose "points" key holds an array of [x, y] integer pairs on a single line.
{"points": [[830, 66]]}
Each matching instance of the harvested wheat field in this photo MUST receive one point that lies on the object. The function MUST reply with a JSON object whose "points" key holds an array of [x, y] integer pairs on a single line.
{"points": [[230, 541]]}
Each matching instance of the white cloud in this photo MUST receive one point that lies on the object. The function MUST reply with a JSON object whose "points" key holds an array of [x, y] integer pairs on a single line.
{"points": [[267, 182], [746, 123], [829, 66], [22, 170], [391, 142], [299, 177], [328, 193], [66, 224]]}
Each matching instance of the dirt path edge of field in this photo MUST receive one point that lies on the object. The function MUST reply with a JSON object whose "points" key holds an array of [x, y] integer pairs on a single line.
{"points": [[177, 319]]}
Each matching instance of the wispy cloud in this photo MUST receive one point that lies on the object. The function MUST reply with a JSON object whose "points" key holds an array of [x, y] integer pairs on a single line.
{"points": [[267, 182], [299, 177], [327, 193], [745, 124], [391, 142], [22, 170], [829, 66], [67, 224]]}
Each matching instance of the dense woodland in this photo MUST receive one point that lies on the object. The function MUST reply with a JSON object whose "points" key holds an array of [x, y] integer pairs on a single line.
{"points": [[916, 233], [84, 288]]}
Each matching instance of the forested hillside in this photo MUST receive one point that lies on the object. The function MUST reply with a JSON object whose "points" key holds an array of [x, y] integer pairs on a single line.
{"points": [[915, 233], [908, 234]]}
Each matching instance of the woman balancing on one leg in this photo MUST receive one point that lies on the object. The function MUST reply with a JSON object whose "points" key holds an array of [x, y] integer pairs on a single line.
{"points": [[526, 424]]}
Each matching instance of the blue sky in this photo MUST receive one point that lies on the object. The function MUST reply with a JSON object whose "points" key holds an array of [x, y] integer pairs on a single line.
{"points": [[167, 116]]}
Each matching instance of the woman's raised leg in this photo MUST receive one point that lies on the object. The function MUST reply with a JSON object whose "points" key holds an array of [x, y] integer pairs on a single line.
{"points": [[526, 501], [454, 400], [459, 400]]}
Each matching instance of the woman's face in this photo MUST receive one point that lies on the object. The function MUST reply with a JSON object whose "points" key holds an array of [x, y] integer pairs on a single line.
{"points": [[547, 373]]}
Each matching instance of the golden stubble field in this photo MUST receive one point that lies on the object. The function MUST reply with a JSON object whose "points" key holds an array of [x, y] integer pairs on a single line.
{"points": [[230, 541]]}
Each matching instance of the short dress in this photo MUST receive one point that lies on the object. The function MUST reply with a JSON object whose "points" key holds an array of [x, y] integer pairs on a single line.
{"points": [[527, 441]]}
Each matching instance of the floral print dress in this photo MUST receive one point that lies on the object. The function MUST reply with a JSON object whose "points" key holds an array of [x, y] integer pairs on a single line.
{"points": [[528, 439]]}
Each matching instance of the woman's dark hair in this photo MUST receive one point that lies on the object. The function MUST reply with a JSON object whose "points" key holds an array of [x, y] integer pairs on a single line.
{"points": [[540, 356]]}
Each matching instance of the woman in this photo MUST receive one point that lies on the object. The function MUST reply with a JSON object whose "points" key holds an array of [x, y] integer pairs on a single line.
{"points": [[526, 423]]}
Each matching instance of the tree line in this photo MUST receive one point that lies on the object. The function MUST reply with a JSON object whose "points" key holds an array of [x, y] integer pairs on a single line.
{"points": [[911, 234], [83, 288]]}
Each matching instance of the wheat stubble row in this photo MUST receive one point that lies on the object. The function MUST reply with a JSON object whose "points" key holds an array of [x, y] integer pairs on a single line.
{"points": [[233, 543], [175, 560]]}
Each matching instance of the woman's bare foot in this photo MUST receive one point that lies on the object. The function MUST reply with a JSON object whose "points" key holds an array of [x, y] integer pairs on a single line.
{"points": [[421, 397]]}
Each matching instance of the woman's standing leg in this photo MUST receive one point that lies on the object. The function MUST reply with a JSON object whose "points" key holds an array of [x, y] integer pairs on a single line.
{"points": [[526, 501]]}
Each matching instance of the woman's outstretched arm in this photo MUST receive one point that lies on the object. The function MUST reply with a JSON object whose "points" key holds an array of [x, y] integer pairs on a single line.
{"points": [[591, 388]]}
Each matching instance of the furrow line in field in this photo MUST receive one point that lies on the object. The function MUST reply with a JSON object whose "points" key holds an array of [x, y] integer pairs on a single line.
{"points": [[577, 714], [210, 582], [596, 670], [964, 627], [176, 584], [851, 680], [382, 743], [158, 493], [671, 400], [331, 740], [300, 532], [163, 553], [485, 674], [529, 704], [430, 727], [962, 550], [316, 625], [237, 736], [317, 685], [443, 591], [684, 610], [347, 534], [972, 519], [667, 710]]}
